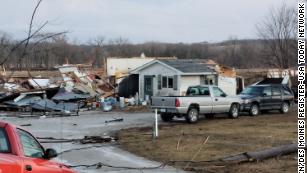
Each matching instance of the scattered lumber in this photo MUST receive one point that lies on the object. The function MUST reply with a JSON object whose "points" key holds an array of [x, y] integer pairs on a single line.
{"points": [[96, 139], [115, 120]]}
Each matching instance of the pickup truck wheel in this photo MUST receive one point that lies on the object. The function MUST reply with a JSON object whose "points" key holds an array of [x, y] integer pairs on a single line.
{"points": [[166, 117], [234, 111], [192, 115], [254, 110], [284, 108]]}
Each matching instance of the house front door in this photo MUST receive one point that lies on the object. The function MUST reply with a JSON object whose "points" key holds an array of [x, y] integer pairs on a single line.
{"points": [[148, 86]]}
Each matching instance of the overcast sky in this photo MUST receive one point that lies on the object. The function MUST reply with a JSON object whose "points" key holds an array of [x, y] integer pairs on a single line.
{"points": [[141, 20]]}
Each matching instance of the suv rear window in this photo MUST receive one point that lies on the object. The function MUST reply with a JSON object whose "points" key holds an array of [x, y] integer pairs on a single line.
{"points": [[4, 142]]}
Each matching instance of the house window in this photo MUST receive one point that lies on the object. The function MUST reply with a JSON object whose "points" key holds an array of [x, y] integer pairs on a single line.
{"points": [[170, 82], [208, 79], [164, 82]]}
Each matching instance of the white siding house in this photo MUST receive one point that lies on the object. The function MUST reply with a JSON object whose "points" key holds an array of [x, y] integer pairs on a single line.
{"points": [[172, 77]]}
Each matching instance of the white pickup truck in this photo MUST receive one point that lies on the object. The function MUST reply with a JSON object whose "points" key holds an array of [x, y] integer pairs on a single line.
{"points": [[200, 99]]}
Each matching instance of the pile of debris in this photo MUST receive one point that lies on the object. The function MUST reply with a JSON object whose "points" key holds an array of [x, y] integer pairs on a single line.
{"points": [[77, 87]]}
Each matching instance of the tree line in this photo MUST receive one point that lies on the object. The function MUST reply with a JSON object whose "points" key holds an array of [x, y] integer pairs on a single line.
{"points": [[275, 47]]}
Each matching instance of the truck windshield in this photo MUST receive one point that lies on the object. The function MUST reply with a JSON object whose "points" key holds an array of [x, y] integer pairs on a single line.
{"points": [[254, 90], [4, 144]]}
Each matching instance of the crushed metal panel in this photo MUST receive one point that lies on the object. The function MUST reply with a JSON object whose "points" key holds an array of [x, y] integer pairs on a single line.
{"points": [[228, 85], [12, 87], [64, 95], [36, 83], [47, 105], [25, 101], [50, 105]]}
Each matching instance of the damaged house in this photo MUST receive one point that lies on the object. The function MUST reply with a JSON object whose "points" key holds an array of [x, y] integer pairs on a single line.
{"points": [[118, 72], [171, 77]]}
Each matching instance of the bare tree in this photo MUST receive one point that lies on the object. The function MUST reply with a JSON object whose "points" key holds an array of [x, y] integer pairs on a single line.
{"points": [[120, 46], [5, 42], [278, 30], [98, 53], [33, 35]]}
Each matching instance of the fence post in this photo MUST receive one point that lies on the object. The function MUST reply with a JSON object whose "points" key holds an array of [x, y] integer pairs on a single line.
{"points": [[156, 123]]}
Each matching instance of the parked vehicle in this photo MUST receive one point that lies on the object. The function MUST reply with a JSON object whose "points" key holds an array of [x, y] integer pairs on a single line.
{"points": [[20, 152], [295, 93], [259, 98], [200, 99]]}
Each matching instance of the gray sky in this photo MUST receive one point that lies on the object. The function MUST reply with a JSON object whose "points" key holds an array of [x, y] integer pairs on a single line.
{"points": [[141, 20]]}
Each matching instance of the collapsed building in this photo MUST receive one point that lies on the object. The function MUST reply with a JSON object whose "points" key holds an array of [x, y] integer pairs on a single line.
{"points": [[68, 89]]}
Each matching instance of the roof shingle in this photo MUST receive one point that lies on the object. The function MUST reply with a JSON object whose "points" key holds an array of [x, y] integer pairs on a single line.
{"points": [[189, 66]]}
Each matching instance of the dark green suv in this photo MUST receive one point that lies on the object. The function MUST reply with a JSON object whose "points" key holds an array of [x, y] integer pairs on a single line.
{"points": [[257, 98]]}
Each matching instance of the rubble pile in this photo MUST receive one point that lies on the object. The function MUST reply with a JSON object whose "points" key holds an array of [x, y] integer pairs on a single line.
{"points": [[77, 87]]}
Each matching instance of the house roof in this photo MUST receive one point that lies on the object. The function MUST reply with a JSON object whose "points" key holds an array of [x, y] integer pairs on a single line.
{"points": [[186, 67]]}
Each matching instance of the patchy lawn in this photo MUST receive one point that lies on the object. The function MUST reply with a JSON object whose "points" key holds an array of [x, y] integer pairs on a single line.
{"points": [[226, 137]]}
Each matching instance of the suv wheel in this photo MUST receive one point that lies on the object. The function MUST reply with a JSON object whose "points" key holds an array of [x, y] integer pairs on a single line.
{"points": [[234, 111], [192, 115], [166, 117], [254, 110], [284, 107]]}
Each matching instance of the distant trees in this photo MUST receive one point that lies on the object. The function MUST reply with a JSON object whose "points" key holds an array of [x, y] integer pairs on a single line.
{"points": [[5, 43], [275, 48], [98, 54], [58, 50], [278, 30], [241, 53]]}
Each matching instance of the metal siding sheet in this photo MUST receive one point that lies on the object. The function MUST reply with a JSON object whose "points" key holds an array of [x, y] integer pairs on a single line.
{"points": [[228, 85]]}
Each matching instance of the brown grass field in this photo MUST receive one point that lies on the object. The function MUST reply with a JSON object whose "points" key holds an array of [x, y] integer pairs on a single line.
{"points": [[226, 137]]}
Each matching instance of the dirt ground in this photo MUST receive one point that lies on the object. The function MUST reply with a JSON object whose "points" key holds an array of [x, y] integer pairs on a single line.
{"points": [[226, 137]]}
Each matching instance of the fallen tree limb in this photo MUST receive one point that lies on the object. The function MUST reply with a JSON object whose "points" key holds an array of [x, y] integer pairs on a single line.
{"points": [[262, 154]]}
